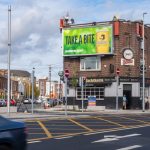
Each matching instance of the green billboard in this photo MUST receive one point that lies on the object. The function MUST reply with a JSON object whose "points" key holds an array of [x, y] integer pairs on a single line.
{"points": [[92, 40]]}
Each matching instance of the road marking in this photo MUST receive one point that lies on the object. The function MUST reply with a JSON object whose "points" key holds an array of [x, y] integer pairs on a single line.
{"points": [[118, 124], [63, 137], [130, 147], [133, 119], [49, 135], [30, 142], [114, 138], [81, 125]]}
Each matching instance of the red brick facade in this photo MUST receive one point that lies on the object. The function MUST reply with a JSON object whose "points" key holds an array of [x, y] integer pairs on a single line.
{"points": [[126, 35], [128, 38]]}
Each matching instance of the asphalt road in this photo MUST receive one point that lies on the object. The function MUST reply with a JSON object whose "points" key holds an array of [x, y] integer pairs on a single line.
{"points": [[81, 132], [138, 138]]}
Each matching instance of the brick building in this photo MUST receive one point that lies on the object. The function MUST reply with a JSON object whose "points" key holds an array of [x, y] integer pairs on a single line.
{"points": [[120, 47], [20, 83]]}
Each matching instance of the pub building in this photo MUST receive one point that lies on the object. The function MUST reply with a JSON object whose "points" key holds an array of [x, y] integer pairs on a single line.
{"points": [[96, 51]]}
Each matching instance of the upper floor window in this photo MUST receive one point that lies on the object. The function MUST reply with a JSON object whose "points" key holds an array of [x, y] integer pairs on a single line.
{"points": [[90, 63]]}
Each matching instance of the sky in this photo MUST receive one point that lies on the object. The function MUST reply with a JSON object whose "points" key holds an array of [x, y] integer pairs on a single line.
{"points": [[36, 38]]}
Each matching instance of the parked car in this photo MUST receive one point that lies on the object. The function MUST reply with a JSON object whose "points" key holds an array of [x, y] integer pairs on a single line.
{"points": [[13, 135], [50, 102], [27, 101], [12, 102], [2, 103], [38, 101]]}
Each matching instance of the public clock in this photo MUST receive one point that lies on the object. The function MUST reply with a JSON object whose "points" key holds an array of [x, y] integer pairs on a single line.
{"points": [[128, 54]]}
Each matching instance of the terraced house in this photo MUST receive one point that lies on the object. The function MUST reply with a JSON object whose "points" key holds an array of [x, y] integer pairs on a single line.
{"points": [[97, 51]]}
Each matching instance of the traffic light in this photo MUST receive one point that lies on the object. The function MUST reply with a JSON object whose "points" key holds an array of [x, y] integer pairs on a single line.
{"points": [[84, 81]]}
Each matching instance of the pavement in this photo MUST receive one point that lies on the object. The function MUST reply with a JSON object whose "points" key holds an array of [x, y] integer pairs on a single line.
{"points": [[59, 111]]}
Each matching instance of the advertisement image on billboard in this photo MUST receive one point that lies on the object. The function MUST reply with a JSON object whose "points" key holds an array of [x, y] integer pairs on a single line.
{"points": [[87, 40]]}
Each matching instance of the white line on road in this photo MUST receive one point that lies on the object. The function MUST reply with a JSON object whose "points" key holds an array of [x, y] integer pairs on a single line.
{"points": [[30, 142], [130, 147], [63, 137], [108, 138]]}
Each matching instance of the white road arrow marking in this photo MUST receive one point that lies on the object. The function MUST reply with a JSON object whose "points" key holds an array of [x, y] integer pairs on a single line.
{"points": [[108, 138], [130, 147]]}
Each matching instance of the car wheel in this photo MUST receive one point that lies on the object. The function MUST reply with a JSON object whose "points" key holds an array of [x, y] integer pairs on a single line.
{"points": [[5, 147]]}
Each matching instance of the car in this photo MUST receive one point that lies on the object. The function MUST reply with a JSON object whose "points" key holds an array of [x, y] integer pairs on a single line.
{"points": [[27, 101], [50, 102], [2, 103], [13, 135], [38, 101], [12, 102]]}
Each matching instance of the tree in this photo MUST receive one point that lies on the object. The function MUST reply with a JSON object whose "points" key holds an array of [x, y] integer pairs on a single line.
{"points": [[74, 83]]}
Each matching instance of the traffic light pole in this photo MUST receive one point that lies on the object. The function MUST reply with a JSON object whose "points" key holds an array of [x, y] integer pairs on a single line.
{"points": [[82, 92], [117, 81], [66, 79]]}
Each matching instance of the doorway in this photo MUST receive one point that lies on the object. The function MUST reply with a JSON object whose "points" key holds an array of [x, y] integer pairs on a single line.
{"points": [[127, 90]]}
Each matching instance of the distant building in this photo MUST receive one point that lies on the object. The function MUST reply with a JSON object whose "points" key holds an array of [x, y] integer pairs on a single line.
{"points": [[20, 81], [51, 89]]}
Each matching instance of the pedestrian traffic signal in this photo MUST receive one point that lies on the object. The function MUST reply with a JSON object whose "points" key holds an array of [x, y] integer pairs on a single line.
{"points": [[118, 71], [66, 73]]}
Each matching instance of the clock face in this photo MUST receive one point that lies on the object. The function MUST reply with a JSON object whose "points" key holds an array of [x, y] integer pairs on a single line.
{"points": [[128, 54]]}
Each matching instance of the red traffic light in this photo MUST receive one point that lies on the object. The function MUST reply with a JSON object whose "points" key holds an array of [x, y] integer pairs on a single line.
{"points": [[118, 71], [66, 73]]}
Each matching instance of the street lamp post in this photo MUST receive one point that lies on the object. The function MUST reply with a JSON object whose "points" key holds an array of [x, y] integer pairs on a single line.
{"points": [[9, 51], [143, 106], [32, 88]]}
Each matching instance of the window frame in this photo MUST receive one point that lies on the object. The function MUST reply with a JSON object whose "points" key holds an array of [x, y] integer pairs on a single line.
{"points": [[89, 90], [97, 64]]}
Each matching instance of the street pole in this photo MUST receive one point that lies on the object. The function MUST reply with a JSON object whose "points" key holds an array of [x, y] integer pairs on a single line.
{"points": [[11, 86], [50, 80], [66, 80], [117, 80], [29, 89], [82, 92], [143, 46], [32, 88], [9, 51]]}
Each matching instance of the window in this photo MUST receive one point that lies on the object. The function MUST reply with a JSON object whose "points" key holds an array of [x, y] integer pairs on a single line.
{"points": [[90, 63], [90, 91]]}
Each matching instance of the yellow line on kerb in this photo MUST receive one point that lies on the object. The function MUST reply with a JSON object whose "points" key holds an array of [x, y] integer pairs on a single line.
{"points": [[118, 124], [81, 125], [49, 135]]}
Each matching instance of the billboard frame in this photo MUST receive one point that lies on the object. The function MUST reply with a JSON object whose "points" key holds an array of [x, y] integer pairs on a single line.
{"points": [[88, 26]]}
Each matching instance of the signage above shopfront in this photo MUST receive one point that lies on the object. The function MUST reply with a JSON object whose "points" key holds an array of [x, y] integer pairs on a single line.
{"points": [[92, 40]]}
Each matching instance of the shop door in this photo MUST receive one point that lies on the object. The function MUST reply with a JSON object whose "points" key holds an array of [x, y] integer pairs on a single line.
{"points": [[127, 90]]}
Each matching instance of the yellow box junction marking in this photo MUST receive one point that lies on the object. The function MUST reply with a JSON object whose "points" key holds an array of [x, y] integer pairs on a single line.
{"points": [[118, 124], [49, 135], [134, 119], [81, 125]]}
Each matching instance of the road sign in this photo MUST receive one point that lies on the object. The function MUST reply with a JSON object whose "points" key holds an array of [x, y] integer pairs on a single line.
{"points": [[66, 73], [118, 71]]}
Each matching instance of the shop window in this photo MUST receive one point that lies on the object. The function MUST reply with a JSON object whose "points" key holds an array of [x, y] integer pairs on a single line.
{"points": [[90, 63], [90, 91]]}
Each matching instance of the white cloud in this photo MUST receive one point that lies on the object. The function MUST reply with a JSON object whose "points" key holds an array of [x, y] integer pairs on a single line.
{"points": [[36, 40]]}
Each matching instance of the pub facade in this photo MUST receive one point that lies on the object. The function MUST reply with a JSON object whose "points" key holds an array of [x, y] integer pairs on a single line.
{"points": [[96, 51]]}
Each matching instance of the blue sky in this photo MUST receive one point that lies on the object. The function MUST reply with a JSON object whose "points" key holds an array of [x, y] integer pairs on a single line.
{"points": [[36, 40]]}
